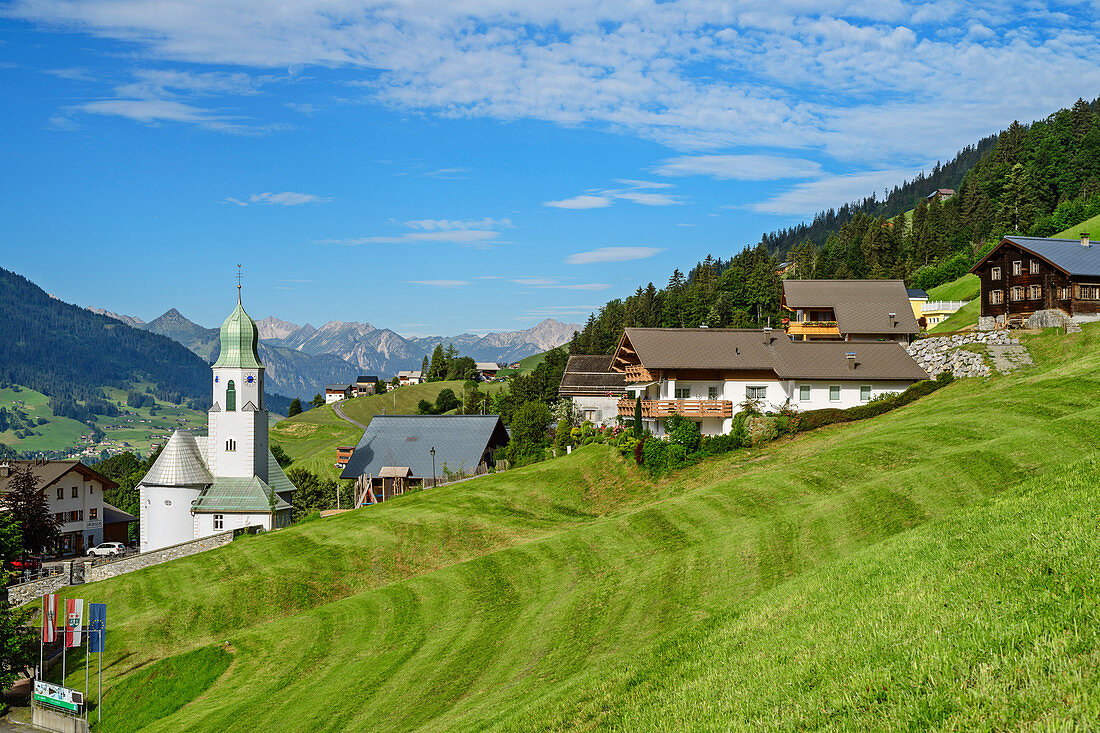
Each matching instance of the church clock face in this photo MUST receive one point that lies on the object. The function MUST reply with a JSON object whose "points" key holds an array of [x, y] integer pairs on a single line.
{"points": [[216, 379], [251, 379]]}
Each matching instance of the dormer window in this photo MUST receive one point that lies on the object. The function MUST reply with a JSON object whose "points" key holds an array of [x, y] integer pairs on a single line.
{"points": [[231, 396]]}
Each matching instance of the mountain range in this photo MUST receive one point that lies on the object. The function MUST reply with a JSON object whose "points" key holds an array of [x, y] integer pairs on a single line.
{"points": [[300, 360]]}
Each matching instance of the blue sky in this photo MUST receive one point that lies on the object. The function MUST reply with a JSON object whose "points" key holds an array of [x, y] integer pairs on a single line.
{"points": [[481, 165]]}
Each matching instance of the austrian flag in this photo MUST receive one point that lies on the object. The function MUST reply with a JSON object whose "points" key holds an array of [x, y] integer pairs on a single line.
{"points": [[49, 617], [74, 619]]}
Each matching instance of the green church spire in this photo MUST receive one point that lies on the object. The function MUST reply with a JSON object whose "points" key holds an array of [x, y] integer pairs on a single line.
{"points": [[239, 339]]}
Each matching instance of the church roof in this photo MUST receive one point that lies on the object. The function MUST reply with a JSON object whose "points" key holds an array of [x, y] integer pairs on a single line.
{"points": [[238, 495], [179, 464], [276, 479], [239, 339]]}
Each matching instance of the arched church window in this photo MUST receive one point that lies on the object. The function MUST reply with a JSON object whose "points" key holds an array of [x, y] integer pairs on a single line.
{"points": [[231, 396], [230, 445]]}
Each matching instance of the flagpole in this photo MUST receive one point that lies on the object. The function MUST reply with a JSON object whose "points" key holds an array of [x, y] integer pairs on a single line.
{"points": [[87, 654], [99, 704]]}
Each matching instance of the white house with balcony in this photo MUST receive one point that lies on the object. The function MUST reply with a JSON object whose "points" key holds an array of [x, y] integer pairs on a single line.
{"points": [[708, 374]]}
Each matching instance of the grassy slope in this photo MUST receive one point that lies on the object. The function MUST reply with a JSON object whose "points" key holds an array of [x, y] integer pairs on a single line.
{"points": [[526, 365], [960, 319], [966, 287], [312, 438], [781, 588], [137, 431], [1089, 225]]}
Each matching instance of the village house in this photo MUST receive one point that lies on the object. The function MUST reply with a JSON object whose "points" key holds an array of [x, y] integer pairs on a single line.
{"points": [[75, 495], [940, 194], [593, 387], [487, 369], [337, 392], [708, 374], [917, 299], [849, 310], [935, 312], [400, 452], [410, 377], [343, 455], [1023, 276], [365, 385]]}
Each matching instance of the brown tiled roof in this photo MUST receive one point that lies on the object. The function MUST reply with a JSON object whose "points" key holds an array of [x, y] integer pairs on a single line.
{"points": [[861, 306], [703, 348], [728, 349], [591, 375], [49, 472], [874, 360]]}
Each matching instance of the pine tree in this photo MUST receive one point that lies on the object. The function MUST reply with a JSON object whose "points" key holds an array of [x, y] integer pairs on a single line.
{"points": [[295, 408]]}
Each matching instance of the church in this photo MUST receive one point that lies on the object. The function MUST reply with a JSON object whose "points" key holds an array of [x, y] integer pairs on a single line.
{"points": [[201, 486]]}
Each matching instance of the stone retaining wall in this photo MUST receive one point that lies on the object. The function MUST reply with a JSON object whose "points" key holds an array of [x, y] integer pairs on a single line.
{"points": [[26, 592], [156, 557]]}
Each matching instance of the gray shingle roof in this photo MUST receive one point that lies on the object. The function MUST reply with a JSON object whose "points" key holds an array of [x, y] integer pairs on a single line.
{"points": [[591, 375], [1068, 255], [460, 441], [179, 464], [114, 515], [238, 495], [727, 349], [861, 306], [337, 387]]}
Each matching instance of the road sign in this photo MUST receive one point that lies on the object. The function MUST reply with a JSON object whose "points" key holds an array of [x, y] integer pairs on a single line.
{"points": [[59, 697]]}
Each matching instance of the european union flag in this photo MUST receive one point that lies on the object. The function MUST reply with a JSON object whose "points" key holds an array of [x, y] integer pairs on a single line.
{"points": [[97, 628]]}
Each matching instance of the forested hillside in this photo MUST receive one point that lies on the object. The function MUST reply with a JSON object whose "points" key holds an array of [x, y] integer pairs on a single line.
{"points": [[1035, 179]]}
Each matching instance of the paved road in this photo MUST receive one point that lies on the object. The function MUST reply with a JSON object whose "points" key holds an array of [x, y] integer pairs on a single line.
{"points": [[340, 414]]}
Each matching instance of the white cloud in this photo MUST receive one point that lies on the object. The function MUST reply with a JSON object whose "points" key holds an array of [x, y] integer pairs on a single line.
{"points": [[284, 198], [806, 199], [535, 281], [481, 233], [439, 283], [579, 286], [612, 254], [584, 201], [739, 167]]}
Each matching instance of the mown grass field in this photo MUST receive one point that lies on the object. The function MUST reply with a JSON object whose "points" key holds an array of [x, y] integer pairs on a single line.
{"points": [[930, 569], [311, 438], [966, 287], [1089, 225]]}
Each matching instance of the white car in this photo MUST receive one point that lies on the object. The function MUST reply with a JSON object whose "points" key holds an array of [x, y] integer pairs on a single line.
{"points": [[107, 548]]}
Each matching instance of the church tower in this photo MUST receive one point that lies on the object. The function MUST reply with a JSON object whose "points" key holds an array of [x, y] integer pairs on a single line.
{"points": [[237, 445]]}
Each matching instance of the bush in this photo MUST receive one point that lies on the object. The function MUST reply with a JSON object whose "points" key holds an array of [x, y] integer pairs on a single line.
{"points": [[683, 432]]}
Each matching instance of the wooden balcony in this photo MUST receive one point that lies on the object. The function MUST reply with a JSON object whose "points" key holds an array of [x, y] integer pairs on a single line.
{"points": [[813, 328], [652, 409], [636, 374]]}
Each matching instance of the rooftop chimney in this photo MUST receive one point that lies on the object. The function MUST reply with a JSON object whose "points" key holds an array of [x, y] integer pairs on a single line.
{"points": [[767, 335], [5, 470], [851, 357], [1084, 239]]}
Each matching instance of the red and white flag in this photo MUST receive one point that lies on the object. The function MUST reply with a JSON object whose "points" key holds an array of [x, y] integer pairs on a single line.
{"points": [[74, 619], [50, 608]]}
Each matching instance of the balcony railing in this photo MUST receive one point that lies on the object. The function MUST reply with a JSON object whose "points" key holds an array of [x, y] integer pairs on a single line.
{"points": [[636, 373], [812, 327], [943, 305], [652, 409]]}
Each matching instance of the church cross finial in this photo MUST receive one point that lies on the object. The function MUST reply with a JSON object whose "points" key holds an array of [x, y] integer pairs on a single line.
{"points": [[238, 283]]}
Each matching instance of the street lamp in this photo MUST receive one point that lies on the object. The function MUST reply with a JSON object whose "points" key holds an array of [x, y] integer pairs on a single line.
{"points": [[432, 451]]}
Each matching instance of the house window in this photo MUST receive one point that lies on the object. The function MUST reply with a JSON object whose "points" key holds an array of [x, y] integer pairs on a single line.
{"points": [[712, 393], [1063, 293], [996, 297], [995, 273], [93, 513], [60, 517], [1088, 292], [1034, 266], [60, 493], [834, 393], [77, 515], [1034, 292], [756, 393], [230, 445], [804, 392], [865, 393], [1017, 267], [76, 492], [590, 415], [683, 393], [219, 521], [1018, 292]]}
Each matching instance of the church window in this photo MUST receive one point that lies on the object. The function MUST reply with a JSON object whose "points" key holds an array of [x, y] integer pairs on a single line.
{"points": [[231, 396], [230, 445], [219, 521]]}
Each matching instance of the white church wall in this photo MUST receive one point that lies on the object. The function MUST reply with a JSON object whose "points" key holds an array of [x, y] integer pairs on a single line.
{"points": [[204, 523], [166, 515]]}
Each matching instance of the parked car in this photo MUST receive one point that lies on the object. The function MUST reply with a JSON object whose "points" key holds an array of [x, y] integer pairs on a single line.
{"points": [[31, 563], [107, 548]]}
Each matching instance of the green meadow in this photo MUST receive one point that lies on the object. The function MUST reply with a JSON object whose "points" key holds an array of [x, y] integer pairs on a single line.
{"points": [[928, 569]]}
